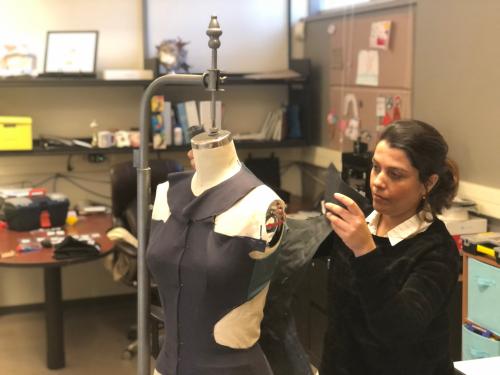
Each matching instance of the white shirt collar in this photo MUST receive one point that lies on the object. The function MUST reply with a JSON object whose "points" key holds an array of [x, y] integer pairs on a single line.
{"points": [[408, 228]]}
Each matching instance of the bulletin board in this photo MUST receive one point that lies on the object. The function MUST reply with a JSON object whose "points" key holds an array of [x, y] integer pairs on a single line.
{"points": [[371, 64]]}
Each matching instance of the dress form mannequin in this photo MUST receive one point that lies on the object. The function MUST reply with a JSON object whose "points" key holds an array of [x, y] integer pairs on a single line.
{"points": [[212, 251], [213, 166]]}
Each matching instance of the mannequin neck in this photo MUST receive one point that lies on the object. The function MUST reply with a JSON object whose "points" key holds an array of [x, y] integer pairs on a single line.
{"points": [[214, 166]]}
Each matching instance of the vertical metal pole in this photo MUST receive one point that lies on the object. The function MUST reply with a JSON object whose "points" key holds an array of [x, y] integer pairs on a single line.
{"points": [[214, 32], [212, 94], [143, 189], [141, 163]]}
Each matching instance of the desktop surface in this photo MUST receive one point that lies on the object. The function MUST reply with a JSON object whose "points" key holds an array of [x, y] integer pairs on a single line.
{"points": [[483, 366], [92, 224]]}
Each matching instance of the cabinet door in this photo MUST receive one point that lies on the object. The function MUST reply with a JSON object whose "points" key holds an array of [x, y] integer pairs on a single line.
{"points": [[352, 34], [483, 300], [475, 346]]}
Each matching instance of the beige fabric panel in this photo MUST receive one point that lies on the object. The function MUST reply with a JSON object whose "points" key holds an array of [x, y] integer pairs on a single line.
{"points": [[352, 35], [366, 98], [240, 328]]}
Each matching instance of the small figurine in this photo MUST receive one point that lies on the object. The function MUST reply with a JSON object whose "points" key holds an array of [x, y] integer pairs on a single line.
{"points": [[172, 56]]}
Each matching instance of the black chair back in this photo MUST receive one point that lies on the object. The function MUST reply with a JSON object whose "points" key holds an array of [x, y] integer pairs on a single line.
{"points": [[124, 188]]}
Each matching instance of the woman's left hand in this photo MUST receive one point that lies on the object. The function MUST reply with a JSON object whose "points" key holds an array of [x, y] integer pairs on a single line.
{"points": [[350, 225]]}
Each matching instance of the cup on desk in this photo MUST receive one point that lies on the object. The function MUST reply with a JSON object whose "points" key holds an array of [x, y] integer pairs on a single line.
{"points": [[105, 139]]}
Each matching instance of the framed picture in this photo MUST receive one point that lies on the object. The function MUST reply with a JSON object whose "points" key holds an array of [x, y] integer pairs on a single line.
{"points": [[71, 53]]}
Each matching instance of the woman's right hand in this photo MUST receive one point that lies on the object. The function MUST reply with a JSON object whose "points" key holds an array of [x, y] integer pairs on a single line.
{"points": [[191, 159]]}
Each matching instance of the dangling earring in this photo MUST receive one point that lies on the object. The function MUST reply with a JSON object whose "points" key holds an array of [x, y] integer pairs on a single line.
{"points": [[425, 203]]}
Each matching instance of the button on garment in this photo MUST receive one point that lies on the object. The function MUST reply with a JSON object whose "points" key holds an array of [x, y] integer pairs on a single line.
{"points": [[203, 275]]}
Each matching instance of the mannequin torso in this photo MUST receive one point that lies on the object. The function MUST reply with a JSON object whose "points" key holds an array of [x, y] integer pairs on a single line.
{"points": [[237, 244]]}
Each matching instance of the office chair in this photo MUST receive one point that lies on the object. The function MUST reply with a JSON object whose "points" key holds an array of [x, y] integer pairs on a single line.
{"points": [[124, 212]]}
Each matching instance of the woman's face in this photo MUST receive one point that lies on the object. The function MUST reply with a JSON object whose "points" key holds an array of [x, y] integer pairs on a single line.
{"points": [[394, 182]]}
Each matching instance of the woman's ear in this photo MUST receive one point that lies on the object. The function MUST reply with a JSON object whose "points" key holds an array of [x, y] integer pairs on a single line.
{"points": [[431, 182]]}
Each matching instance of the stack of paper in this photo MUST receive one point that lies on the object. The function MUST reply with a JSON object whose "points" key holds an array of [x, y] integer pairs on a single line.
{"points": [[271, 130]]}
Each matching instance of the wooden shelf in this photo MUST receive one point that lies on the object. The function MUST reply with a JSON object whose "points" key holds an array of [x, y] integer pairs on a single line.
{"points": [[68, 82], [77, 150], [232, 79]]}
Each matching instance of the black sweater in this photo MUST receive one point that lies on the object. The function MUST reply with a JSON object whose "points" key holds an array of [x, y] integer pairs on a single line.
{"points": [[388, 308]]}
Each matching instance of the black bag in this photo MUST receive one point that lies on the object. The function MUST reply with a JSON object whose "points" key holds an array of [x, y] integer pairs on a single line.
{"points": [[36, 211]]}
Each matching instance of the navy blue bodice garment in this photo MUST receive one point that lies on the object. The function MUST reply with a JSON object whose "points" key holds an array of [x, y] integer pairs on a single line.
{"points": [[202, 275]]}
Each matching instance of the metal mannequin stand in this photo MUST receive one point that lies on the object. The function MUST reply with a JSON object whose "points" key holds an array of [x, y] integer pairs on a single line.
{"points": [[211, 81]]}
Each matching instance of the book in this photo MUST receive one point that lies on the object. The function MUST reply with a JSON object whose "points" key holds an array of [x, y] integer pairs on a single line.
{"points": [[182, 120], [157, 130], [293, 122], [167, 122], [206, 116], [272, 128], [157, 103], [192, 113]]}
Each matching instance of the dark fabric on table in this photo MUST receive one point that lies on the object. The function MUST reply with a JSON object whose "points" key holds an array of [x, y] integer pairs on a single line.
{"points": [[71, 248]]}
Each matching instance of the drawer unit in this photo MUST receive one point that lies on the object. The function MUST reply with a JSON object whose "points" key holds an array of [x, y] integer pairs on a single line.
{"points": [[475, 346], [483, 305]]}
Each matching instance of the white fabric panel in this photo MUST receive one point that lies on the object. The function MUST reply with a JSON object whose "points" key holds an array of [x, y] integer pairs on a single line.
{"points": [[248, 216], [161, 211]]}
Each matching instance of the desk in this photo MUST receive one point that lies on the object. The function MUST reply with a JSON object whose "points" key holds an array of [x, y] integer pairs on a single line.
{"points": [[483, 366], [52, 276]]}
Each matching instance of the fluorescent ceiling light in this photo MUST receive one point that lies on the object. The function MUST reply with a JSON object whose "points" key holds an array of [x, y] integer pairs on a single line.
{"points": [[332, 4]]}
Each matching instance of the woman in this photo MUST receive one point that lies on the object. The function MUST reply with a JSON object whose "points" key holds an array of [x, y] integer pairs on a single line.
{"points": [[394, 272]]}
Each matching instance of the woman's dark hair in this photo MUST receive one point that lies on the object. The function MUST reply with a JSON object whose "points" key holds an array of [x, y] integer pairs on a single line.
{"points": [[427, 151]]}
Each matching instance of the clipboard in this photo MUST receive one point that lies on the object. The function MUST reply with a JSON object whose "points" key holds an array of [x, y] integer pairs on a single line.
{"points": [[335, 184]]}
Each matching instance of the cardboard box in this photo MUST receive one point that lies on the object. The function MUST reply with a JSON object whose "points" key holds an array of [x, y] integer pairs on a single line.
{"points": [[15, 133]]}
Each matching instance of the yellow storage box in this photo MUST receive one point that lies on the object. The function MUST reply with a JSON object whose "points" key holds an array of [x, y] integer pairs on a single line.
{"points": [[15, 133]]}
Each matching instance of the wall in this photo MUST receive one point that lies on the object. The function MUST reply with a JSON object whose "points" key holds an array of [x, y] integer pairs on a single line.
{"points": [[456, 88], [119, 23], [455, 83], [67, 111], [254, 33]]}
